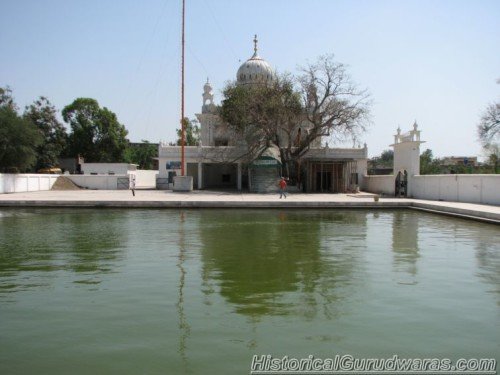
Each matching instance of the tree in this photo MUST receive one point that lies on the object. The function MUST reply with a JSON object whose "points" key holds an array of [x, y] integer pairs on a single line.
{"points": [[428, 164], [96, 133], [489, 126], [295, 113], [191, 132], [489, 132], [385, 161], [387, 158], [263, 115], [494, 154], [54, 138], [141, 154], [18, 137], [334, 105], [6, 99]]}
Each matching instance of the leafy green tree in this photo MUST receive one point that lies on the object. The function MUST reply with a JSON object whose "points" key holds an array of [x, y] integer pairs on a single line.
{"points": [[387, 158], [494, 154], [18, 137], [141, 154], [6, 99], [43, 115], [428, 164], [264, 115], [96, 133], [192, 133]]}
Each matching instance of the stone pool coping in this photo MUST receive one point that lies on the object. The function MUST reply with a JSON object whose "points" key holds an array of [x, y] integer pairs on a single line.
{"points": [[222, 199]]}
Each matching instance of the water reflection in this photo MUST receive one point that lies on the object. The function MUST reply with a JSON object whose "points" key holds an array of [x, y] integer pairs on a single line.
{"points": [[183, 323], [280, 263], [405, 249], [488, 258], [87, 244]]}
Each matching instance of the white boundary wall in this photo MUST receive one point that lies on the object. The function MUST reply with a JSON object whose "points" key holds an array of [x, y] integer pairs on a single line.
{"points": [[145, 178], [467, 188], [379, 184], [96, 182], [470, 188], [108, 168], [20, 183]]}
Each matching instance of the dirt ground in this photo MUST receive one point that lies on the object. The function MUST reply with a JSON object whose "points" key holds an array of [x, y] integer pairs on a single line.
{"points": [[64, 183]]}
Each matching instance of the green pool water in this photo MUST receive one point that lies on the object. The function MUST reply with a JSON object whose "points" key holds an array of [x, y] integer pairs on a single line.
{"points": [[201, 291]]}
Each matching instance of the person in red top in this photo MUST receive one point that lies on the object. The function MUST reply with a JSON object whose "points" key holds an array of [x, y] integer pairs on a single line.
{"points": [[282, 185]]}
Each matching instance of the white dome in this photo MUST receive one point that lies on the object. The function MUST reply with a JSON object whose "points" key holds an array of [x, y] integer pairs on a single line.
{"points": [[255, 70]]}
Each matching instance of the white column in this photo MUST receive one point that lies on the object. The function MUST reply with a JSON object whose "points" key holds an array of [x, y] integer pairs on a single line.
{"points": [[239, 176], [200, 176]]}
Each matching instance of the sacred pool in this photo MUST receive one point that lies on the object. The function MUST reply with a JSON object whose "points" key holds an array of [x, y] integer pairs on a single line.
{"points": [[144, 291]]}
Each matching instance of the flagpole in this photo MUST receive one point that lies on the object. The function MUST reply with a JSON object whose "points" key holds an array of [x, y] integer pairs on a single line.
{"points": [[183, 130]]}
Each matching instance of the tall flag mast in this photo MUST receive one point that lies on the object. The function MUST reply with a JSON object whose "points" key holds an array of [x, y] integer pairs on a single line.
{"points": [[183, 126]]}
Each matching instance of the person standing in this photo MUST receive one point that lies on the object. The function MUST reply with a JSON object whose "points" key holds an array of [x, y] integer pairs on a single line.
{"points": [[282, 185], [132, 184]]}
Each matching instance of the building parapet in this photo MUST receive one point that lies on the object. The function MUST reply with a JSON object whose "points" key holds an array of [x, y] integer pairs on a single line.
{"points": [[337, 153], [224, 153], [203, 153]]}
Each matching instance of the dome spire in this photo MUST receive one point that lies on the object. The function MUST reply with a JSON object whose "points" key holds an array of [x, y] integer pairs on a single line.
{"points": [[255, 70]]}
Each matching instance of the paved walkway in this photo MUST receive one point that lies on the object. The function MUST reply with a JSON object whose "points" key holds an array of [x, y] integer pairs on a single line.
{"points": [[213, 199]]}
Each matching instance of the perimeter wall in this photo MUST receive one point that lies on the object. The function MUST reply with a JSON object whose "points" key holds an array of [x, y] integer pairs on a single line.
{"points": [[20, 183], [469, 188]]}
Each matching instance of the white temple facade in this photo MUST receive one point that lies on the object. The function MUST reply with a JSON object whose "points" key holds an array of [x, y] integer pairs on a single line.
{"points": [[217, 161]]}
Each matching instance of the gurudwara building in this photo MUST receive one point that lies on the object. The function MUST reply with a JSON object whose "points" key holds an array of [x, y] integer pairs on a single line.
{"points": [[218, 160]]}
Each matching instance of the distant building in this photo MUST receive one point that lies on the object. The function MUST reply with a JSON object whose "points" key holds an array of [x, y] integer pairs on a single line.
{"points": [[460, 160]]}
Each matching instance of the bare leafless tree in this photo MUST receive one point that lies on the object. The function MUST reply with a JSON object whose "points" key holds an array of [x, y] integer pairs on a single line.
{"points": [[489, 126], [335, 106], [294, 113]]}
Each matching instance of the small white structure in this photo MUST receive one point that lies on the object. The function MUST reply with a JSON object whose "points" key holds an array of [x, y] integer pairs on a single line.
{"points": [[407, 181], [108, 168], [406, 159]]}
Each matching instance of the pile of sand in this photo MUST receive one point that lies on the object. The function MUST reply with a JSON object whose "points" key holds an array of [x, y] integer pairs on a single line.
{"points": [[64, 183]]}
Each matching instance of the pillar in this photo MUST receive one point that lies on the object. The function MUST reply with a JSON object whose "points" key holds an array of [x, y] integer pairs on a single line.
{"points": [[239, 176], [200, 176]]}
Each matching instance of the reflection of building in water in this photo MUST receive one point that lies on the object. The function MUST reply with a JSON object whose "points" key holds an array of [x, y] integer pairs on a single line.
{"points": [[488, 257], [89, 243], [184, 327], [277, 263], [405, 241]]}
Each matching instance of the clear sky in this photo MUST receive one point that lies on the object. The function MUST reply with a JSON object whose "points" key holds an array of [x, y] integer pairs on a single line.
{"points": [[433, 61]]}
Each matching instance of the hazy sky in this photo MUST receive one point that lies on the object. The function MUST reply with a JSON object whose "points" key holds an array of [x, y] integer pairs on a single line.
{"points": [[433, 61]]}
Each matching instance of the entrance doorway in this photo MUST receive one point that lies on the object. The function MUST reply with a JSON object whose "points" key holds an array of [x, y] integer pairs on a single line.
{"points": [[327, 177], [401, 188], [323, 181]]}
